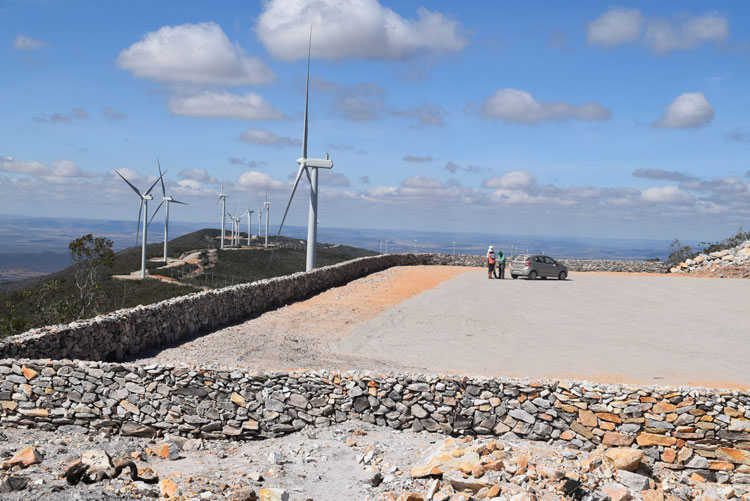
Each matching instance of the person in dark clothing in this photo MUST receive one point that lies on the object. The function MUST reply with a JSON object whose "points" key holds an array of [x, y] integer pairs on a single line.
{"points": [[500, 265]]}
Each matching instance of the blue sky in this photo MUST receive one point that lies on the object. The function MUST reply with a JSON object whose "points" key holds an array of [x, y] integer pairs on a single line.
{"points": [[584, 119]]}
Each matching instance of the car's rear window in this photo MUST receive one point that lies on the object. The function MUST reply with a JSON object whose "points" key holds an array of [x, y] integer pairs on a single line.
{"points": [[520, 257]]}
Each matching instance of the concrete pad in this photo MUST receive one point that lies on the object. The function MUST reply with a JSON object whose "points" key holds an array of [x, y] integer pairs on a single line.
{"points": [[656, 329]]}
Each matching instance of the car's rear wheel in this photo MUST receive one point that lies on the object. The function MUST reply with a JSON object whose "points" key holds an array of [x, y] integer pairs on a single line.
{"points": [[532, 275], [563, 275], [513, 276]]}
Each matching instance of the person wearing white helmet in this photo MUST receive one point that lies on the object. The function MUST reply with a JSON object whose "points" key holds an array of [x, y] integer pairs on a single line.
{"points": [[490, 261]]}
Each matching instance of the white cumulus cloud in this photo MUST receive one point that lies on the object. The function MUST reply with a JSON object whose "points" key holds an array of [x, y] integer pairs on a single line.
{"points": [[686, 33], [210, 104], [512, 180], [196, 174], [267, 138], [196, 53], [667, 195], [619, 26], [354, 29], [615, 27], [517, 106], [22, 42], [688, 111], [259, 181], [57, 168]]}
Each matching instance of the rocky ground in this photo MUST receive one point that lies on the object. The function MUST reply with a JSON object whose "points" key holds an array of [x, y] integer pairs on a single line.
{"points": [[352, 461], [727, 263]]}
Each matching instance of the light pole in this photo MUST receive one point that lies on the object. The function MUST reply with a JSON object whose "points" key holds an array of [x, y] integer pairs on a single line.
{"points": [[386, 246]]}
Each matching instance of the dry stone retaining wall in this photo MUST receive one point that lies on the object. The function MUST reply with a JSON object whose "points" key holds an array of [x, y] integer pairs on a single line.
{"points": [[693, 429], [116, 335], [122, 333], [572, 264]]}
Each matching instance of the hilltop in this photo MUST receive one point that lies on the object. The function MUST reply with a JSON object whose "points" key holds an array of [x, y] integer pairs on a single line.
{"points": [[49, 299]]}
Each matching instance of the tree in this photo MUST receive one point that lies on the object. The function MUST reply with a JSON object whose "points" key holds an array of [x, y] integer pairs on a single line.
{"points": [[679, 252], [90, 258]]}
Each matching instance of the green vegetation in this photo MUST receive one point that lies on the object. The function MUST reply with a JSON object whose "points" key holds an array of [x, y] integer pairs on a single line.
{"points": [[679, 252], [682, 252], [87, 288]]}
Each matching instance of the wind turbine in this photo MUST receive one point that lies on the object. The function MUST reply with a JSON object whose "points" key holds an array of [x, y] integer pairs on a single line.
{"points": [[231, 235], [223, 199], [249, 217], [235, 231], [267, 208], [142, 211], [260, 220], [310, 167], [167, 200]]}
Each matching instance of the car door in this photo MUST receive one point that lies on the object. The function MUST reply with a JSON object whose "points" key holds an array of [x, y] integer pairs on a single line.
{"points": [[551, 266], [540, 266]]}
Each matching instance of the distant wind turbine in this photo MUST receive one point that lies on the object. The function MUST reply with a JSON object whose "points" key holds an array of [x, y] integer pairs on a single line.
{"points": [[260, 221], [310, 167], [223, 199], [267, 208], [142, 214], [165, 200], [249, 217]]}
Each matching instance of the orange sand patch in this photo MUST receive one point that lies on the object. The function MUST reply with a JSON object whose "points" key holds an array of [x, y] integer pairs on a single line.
{"points": [[359, 301]]}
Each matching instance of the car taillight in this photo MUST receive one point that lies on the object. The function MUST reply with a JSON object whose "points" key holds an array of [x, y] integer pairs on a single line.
{"points": [[528, 263]]}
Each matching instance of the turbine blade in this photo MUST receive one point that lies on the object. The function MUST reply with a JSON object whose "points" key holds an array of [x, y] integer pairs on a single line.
{"points": [[307, 95], [129, 183], [289, 203], [138, 226], [178, 202], [157, 210], [152, 186], [161, 178]]}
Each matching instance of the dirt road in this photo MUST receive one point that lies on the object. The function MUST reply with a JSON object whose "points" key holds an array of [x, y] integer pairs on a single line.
{"points": [[656, 329]]}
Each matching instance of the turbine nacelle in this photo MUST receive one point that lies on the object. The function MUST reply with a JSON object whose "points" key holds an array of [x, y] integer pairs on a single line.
{"points": [[316, 163]]}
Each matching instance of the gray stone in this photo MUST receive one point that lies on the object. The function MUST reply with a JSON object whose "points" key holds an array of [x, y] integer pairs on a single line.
{"points": [[131, 429], [633, 481], [522, 415], [418, 412], [298, 400]]}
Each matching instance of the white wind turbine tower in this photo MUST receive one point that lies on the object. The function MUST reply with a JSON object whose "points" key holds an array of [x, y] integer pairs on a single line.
{"points": [[237, 222], [231, 229], [267, 209], [142, 211], [223, 199], [260, 220], [310, 167], [165, 200], [249, 217]]}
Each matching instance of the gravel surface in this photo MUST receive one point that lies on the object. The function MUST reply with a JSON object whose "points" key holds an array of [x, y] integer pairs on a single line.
{"points": [[355, 460], [656, 329], [645, 329]]}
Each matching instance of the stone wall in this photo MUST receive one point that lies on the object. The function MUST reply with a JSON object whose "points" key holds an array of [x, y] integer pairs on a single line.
{"points": [[122, 333], [700, 430], [572, 264], [116, 335]]}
